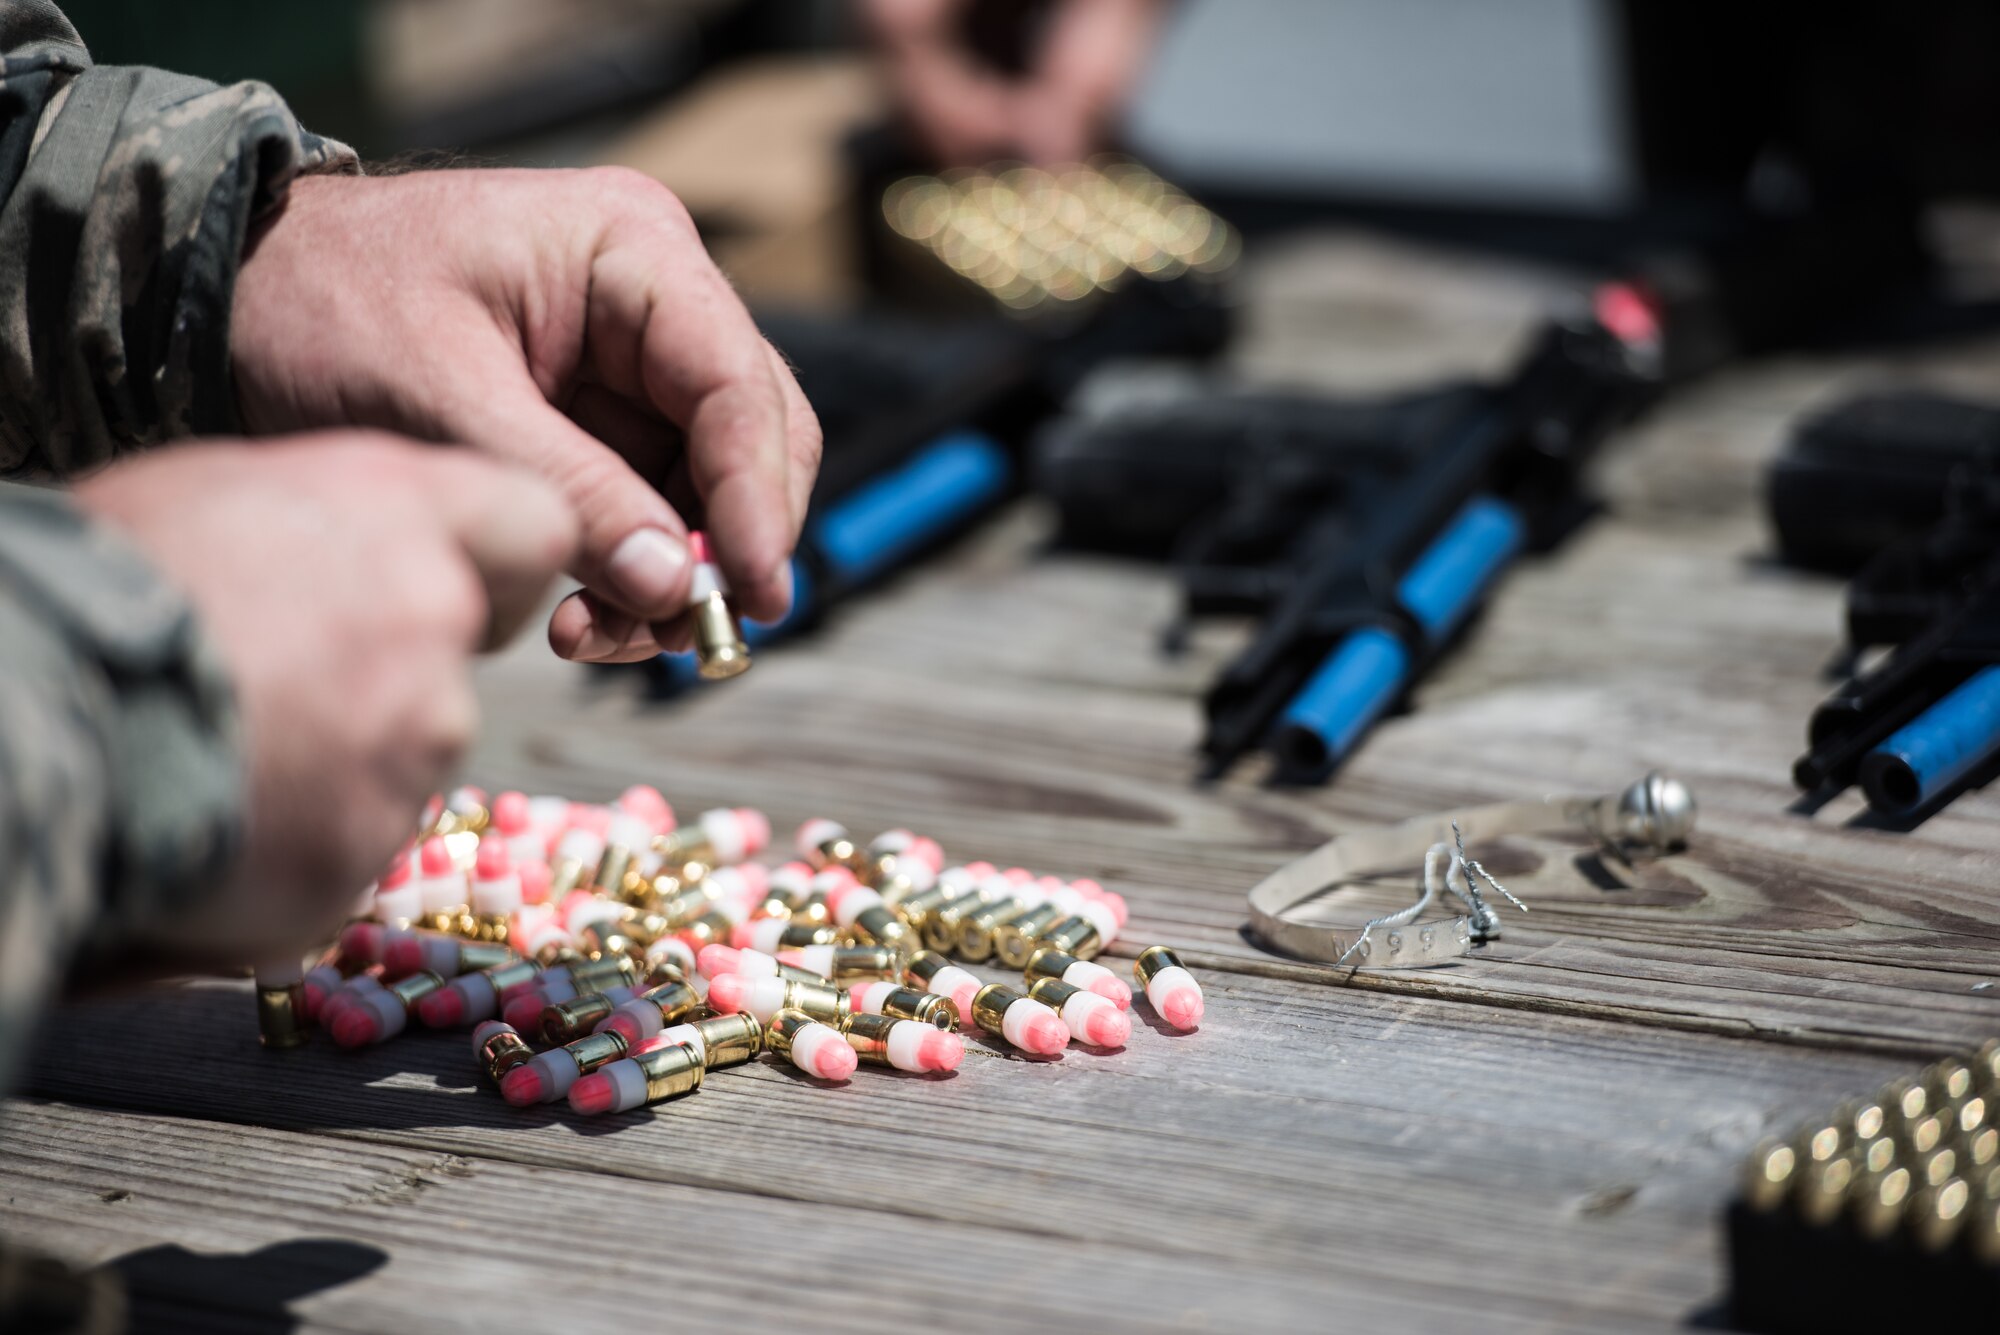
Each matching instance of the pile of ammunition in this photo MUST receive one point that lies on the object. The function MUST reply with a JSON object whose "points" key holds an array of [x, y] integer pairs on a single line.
{"points": [[1036, 238], [642, 953], [1886, 1209]]}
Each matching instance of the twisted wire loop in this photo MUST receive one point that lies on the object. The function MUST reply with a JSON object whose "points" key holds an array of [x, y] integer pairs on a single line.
{"points": [[1451, 871]]}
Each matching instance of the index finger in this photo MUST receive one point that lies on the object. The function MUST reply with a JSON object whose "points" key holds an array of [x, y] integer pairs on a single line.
{"points": [[700, 360], [517, 532]]}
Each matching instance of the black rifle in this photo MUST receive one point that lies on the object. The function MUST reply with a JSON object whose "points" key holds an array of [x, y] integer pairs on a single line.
{"points": [[1910, 484], [1365, 534]]}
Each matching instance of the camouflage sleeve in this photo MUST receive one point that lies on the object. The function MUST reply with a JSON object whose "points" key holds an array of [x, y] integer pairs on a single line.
{"points": [[120, 783], [125, 197]]}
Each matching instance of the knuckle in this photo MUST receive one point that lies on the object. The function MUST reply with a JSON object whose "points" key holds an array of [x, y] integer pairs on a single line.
{"points": [[642, 195]]}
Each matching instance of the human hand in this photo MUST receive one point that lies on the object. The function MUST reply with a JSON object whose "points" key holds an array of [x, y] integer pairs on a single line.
{"points": [[569, 321], [346, 579], [966, 112]]}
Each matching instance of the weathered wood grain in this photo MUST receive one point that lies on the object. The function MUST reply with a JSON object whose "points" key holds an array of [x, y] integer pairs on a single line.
{"points": [[1546, 1168], [1537, 1137]]}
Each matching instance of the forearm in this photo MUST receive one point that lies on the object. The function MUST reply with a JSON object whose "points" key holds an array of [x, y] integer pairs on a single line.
{"points": [[120, 781], [125, 198]]}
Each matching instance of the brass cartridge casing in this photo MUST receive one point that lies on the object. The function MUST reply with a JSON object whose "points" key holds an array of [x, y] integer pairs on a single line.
{"points": [[975, 929], [594, 1050], [793, 973], [710, 929], [610, 938], [730, 1040], [1936, 1214], [567, 1021], [1981, 1147], [1821, 1190], [807, 934], [566, 874], [280, 1015], [907, 1003], [1768, 1176], [1016, 940], [1053, 992], [916, 907], [409, 991], [1875, 1156], [489, 927], [1047, 962], [839, 851], [868, 1035], [924, 966], [1151, 962], [675, 1001], [504, 976], [719, 650], [819, 1000], [1985, 1064], [1906, 1100], [558, 952], [872, 962], [1876, 1201], [1075, 936], [502, 1052], [474, 956], [784, 1026], [889, 878], [1948, 1081], [609, 873], [450, 922], [940, 929], [671, 1072], [683, 904], [596, 975], [879, 925], [1920, 1135], [812, 908], [990, 1003]]}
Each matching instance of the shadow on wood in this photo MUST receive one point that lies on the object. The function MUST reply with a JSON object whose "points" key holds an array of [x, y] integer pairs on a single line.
{"points": [[173, 1289]]}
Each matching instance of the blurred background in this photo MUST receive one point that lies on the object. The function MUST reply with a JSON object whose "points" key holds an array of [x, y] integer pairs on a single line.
{"points": [[1516, 224]]}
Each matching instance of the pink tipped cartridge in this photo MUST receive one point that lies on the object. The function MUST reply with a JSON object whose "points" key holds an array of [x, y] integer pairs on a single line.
{"points": [[904, 1003], [537, 932], [1171, 988], [1024, 1022], [535, 878], [826, 843], [649, 804], [472, 997], [625, 839], [575, 859], [817, 1049], [859, 909], [718, 959], [931, 972], [651, 1011], [907, 1045], [844, 963], [405, 952], [499, 1050], [719, 650], [1091, 1019], [319, 984], [548, 1076], [771, 935], [373, 1016], [1086, 974], [441, 885], [656, 1075], [496, 886], [720, 837], [398, 903], [765, 997], [719, 1041]]}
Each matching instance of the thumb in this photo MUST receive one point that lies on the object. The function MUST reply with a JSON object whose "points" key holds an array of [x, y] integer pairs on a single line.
{"points": [[514, 528], [633, 550]]}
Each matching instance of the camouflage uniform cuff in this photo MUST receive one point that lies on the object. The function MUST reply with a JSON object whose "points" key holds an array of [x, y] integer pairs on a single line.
{"points": [[156, 697]]}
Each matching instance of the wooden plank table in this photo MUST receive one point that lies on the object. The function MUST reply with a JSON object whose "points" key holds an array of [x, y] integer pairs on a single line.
{"points": [[1538, 1137]]}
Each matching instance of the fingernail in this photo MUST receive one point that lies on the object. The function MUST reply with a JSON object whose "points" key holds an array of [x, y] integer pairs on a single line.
{"points": [[647, 569]]}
